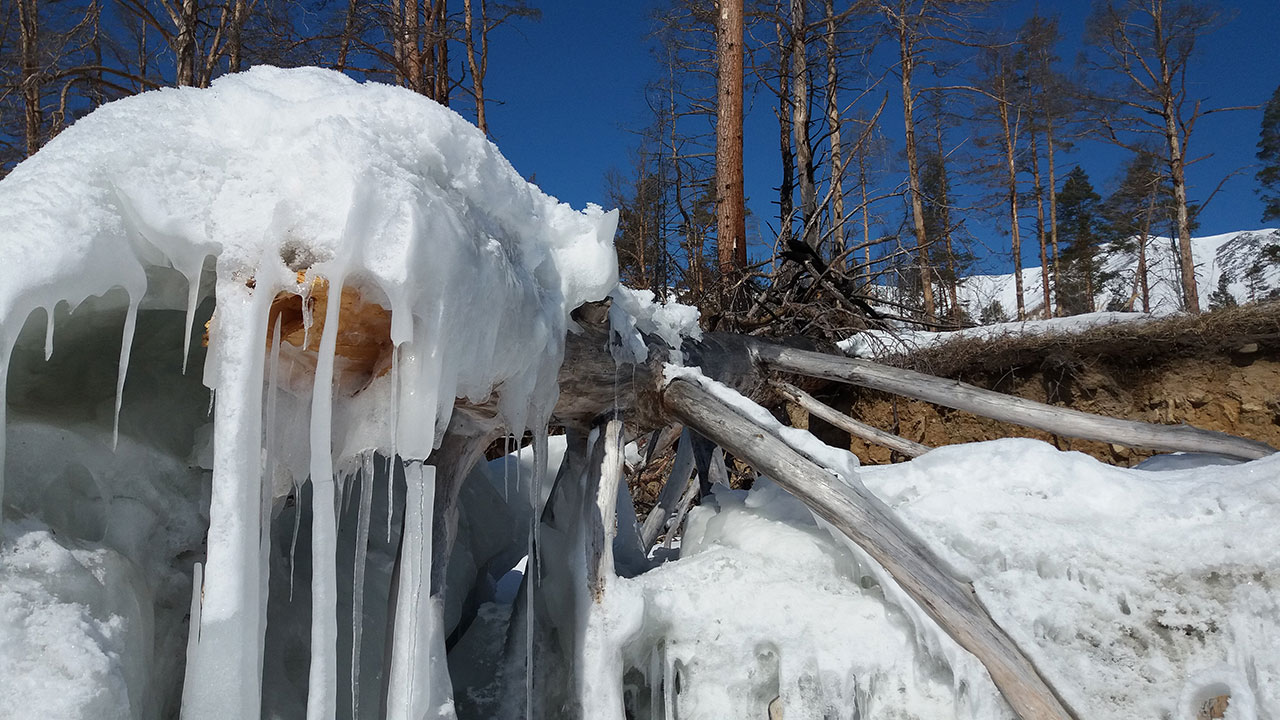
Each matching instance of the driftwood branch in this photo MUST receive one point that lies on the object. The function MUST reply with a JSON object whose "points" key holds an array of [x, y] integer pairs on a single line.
{"points": [[866, 521], [848, 424], [1007, 408]]}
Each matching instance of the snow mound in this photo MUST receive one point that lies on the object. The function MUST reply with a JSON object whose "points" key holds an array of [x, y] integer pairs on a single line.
{"points": [[1137, 593]]}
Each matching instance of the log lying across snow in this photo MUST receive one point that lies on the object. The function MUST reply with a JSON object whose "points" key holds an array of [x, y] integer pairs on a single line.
{"points": [[872, 526], [1006, 408]]}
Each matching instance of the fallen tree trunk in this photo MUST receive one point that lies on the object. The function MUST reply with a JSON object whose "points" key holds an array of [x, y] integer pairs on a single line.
{"points": [[1006, 408], [866, 521], [848, 424]]}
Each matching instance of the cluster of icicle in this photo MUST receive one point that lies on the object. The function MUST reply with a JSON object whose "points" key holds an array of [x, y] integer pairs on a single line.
{"points": [[265, 175]]}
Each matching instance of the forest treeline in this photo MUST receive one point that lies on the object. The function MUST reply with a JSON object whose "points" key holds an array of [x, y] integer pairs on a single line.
{"points": [[898, 123]]}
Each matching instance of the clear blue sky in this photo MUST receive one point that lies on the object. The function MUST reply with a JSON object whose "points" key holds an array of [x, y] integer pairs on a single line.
{"points": [[572, 88]]}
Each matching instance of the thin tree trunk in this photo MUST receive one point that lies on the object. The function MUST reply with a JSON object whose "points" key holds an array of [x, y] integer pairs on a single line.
{"points": [[1053, 212], [907, 58], [474, 67], [800, 124], [786, 187], [1038, 189], [184, 49], [348, 33], [833, 124], [944, 204], [1012, 169], [440, 56], [32, 84], [1144, 283], [866, 207], [731, 221]]}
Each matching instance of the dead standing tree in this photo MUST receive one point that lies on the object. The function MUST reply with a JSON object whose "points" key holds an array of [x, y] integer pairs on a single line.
{"points": [[1149, 45]]}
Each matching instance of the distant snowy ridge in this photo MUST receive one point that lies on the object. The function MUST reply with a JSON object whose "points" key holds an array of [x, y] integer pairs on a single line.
{"points": [[1233, 254]]}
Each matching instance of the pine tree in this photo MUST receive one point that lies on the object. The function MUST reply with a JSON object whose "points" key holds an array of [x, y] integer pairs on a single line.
{"points": [[1269, 154], [1222, 298], [1079, 225]]}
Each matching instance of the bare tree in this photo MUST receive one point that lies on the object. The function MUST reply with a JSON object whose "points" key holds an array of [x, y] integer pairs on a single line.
{"points": [[1149, 45]]}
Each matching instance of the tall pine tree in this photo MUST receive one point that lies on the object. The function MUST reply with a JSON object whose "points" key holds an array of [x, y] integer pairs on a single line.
{"points": [[1269, 154], [1080, 226]]}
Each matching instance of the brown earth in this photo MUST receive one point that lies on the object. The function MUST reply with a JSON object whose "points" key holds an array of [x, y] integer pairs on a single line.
{"points": [[1219, 372]]}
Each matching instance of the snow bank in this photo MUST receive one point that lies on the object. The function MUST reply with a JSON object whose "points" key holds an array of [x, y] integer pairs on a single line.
{"points": [[1137, 593]]}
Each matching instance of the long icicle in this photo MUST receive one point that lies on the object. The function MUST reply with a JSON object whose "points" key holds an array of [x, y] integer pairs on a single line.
{"points": [[322, 681], [361, 556], [267, 488], [223, 680], [126, 346]]}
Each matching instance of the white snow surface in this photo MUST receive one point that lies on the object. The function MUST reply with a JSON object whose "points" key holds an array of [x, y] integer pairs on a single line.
{"points": [[887, 343], [1137, 593], [1232, 254]]}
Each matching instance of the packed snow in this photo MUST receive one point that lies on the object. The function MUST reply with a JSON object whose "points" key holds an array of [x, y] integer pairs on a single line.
{"points": [[292, 544]]}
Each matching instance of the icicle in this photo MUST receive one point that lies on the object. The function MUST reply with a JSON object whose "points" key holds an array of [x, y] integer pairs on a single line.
{"points": [[418, 685], [193, 298], [395, 432], [193, 630], [48, 332], [267, 488], [6, 345], [126, 346], [322, 685], [357, 600], [297, 527], [223, 677]]}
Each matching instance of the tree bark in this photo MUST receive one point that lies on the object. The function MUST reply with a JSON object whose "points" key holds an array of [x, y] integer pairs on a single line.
{"points": [[800, 99], [31, 83], [1038, 189], [731, 227], [853, 427], [833, 127]]}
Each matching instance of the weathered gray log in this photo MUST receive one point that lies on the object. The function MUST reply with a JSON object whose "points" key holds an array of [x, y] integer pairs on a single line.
{"points": [[1007, 408], [866, 521], [848, 424], [672, 491]]}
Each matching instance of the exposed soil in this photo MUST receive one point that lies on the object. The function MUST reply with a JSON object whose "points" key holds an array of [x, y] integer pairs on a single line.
{"points": [[1220, 372]]}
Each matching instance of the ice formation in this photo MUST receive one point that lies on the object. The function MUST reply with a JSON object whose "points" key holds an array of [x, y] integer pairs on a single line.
{"points": [[303, 182], [374, 261]]}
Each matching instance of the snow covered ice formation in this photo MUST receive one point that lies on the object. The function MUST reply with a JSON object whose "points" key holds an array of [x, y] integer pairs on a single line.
{"points": [[271, 182], [385, 296]]}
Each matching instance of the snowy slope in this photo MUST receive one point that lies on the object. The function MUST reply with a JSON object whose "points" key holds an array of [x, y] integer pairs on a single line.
{"points": [[1230, 253]]}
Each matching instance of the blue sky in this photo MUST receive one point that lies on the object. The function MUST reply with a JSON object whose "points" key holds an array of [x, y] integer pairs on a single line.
{"points": [[572, 88]]}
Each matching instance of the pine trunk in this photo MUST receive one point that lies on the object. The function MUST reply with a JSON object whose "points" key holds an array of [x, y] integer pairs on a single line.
{"points": [[731, 231]]}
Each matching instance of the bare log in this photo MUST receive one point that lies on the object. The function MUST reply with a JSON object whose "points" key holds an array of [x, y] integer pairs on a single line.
{"points": [[866, 521], [844, 422], [672, 491], [1007, 408]]}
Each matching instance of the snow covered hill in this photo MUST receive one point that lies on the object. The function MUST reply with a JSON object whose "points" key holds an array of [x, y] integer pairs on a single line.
{"points": [[1231, 254]]}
